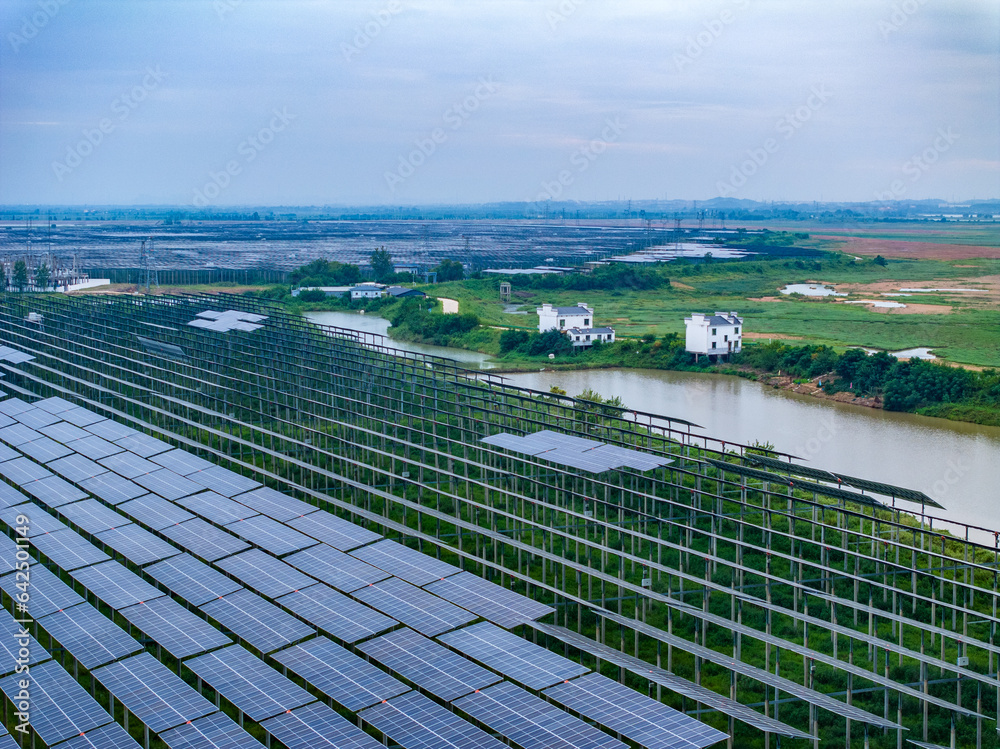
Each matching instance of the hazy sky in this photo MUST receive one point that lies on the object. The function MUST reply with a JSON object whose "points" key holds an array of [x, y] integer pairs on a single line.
{"points": [[295, 102]]}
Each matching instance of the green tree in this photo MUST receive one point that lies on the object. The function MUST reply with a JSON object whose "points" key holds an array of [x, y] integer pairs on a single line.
{"points": [[20, 275], [381, 262], [512, 339], [42, 276], [449, 270], [879, 260]]}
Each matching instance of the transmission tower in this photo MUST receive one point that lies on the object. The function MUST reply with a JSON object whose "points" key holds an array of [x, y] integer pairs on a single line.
{"points": [[149, 277]]}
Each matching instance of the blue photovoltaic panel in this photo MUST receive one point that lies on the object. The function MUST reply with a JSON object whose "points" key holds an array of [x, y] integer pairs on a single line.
{"points": [[177, 630], [414, 607], [77, 468], [9, 496], [347, 679], [255, 688], [531, 722], [8, 453], [143, 445], [263, 573], [204, 540], [275, 505], [64, 432], [488, 600], [111, 736], [23, 471], [152, 692], [39, 520], [191, 579], [181, 462], [54, 491], [215, 508], [115, 585], [80, 417], [414, 722], [336, 568], [215, 731], [270, 535], [167, 484], [94, 447], [89, 636], [334, 531], [92, 516], [430, 666], [68, 550], [54, 405], [137, 545], [36, 418], [129, 465], [154, 512], [111, 430], [5, 420], [335, 613], [6, 741], [512, 656], [635, 716], [12, 641], [411, 565], [257, 621], [223, 481], [60, 707], [8, 554], [12, 406], [317, 726], [45, 450], [18, 434], [111, 487], [47, 594]]}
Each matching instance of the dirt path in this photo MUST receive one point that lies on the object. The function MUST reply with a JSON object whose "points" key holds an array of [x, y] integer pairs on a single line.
{"points": [[448, 306]]}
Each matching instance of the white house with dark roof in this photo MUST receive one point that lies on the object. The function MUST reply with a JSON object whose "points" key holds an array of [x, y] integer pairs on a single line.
{"points": [[576, 322], [720, 334]]}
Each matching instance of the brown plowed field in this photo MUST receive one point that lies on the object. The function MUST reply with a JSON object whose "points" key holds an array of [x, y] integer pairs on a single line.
{"points": [[915, 250]]}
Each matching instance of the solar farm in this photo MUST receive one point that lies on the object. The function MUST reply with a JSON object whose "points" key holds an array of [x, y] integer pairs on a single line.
{"points": [[227, 527]]}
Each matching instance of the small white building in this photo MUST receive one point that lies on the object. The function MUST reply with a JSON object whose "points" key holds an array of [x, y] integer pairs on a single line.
{"points": [[588, 336], [368, 291], [720, 334], [564, 318]]}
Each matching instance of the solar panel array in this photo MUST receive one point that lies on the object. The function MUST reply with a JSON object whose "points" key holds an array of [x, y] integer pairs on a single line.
{"points": [[226, 321], [576, 452]]}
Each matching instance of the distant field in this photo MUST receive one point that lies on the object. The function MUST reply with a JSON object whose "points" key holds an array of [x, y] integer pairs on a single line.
{"points": [[918, 240]]}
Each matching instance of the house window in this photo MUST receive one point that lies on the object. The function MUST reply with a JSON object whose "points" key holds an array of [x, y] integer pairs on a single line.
{"points": [[737, 331], [586, 322], [587, 338], [725, 338], [715, 331], [562, 323]]}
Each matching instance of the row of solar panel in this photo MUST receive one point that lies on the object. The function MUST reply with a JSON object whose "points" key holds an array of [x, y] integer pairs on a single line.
{"points": [[576, 452]]}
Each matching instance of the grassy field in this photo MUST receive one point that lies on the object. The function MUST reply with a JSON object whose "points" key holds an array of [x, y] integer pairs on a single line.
{"points": [[960, 327]]}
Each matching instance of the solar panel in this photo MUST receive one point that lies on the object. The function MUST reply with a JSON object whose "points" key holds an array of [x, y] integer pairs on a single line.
{"points": [[334, 531], [270, 535], [428, 665], [531, 722], [263, 573], [589, 461], [5, 420], [23, 471], [54, 491], [111, 430], [115, 585], [348, 680], [215, 508], [512, 656], [414, 607], [245, 680], [63, 431], [6, 741], [18, 357], [80, 417], [411, 565], [336, 568], [807, 486], [36, 418], [8, 453], [204, 540], [15, 405], [223, 481], [636, 717], [17, 434], [925, 745], [414, 721], [154, 512], [111, 487], [507, 441], [94, 447], [92, 516], [152, 692], [143, 445], [317, 726], [40, 521], [54, 405], [128, 465], [215, 731], [137, 545], [76, 468], [191, 579], [9, 496], [48, 592], [275, 505], [167, 484], [89, 636], [111, 736], [256, 621], [335, 613], [68, 550], [60, 707], [177, 630], [45, 450], [13, 644], [181, 462], [488, 600], [8, 555]]}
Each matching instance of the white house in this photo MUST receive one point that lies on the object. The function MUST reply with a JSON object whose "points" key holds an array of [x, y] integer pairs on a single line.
{"points": [[576, 322], [714, 335], [367, 291]]}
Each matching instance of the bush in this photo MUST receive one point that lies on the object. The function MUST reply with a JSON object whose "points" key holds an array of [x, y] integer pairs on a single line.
{"points": [[513, 339]]}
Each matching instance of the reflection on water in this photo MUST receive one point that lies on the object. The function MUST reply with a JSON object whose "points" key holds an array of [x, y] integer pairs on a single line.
{"points": [[953, 462]]}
